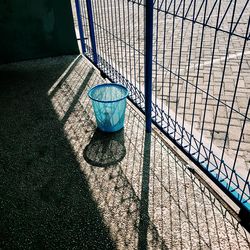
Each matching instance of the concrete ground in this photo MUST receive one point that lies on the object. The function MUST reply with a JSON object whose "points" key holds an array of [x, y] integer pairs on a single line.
{"points": [[119, 31], [66, 185]]}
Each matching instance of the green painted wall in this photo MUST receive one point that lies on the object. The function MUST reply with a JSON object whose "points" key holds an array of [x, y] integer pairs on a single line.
{"points": [[35, 28]]}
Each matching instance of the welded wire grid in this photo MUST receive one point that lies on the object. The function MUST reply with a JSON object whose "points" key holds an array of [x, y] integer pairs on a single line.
{"points": [[200, 76], [200, 64], [85, 25]]}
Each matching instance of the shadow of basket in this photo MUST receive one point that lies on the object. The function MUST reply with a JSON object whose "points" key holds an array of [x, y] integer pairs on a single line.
{"points": [[105, 149]]}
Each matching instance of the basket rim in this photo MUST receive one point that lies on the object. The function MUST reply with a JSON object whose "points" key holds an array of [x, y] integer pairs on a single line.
{"points": [[107, 84]]}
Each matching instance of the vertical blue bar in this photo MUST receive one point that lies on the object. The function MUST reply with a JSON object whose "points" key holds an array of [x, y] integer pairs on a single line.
{"points": [[91, 30], [79, 20], [148, 63]]}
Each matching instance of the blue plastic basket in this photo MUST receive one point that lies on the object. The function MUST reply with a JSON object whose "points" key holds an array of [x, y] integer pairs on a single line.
{"points": [[109, 103]]}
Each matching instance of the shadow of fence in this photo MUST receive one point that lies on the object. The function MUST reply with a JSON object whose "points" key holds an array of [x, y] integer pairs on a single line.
{"points": [[149, 197]]}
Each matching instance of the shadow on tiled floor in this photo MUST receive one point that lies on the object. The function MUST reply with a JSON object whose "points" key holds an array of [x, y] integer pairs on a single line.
{"points": [[133, 191]]}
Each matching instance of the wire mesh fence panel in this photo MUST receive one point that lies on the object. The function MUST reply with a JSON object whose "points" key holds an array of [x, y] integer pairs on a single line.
{"points": [[201, 56], [200, 76], [119, 31]]}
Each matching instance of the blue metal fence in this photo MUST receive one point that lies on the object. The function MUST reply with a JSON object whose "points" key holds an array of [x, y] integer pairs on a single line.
{"points": [[186, 65]]}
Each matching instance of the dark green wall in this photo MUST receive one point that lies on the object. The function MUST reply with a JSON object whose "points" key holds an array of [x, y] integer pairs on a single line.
{"points": [[35, 28]]}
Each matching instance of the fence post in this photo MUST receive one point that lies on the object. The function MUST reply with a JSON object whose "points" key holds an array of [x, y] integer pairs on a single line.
{"points": [[80, 27], [92, 30], [148, 63]]}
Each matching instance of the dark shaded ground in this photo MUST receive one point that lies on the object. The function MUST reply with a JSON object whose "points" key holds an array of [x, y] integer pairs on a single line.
{"points": [[45, 201]]}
